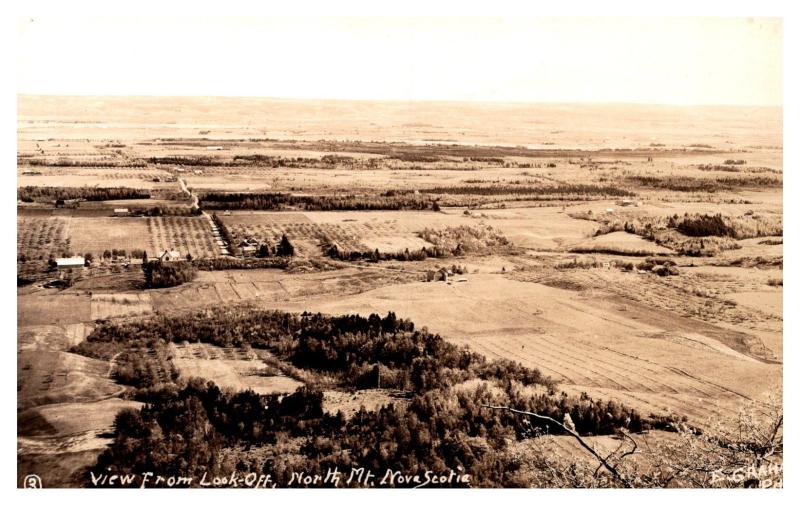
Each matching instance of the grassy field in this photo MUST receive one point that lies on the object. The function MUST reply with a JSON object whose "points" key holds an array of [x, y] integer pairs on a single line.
{"points": [[230, 368], [99, 234]]}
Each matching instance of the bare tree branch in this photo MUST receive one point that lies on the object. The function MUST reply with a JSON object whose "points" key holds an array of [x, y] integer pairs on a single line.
{"points": [[603, 461]]}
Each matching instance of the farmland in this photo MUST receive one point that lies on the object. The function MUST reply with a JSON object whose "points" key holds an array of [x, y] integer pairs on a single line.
{"points": [[626, 273], [40, 236]]}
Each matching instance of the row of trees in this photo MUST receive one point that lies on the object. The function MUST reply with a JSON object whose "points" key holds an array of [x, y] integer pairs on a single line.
{"points": [[514, 189], [228, 263], [707, 185], [333, 251], [226, 234], [281, 201], [50, 194], [245, 160]]}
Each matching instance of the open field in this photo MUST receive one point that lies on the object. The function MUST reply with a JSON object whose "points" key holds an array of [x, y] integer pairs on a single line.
{"points": [[99, 234], [230, 368], [609, 348], [620, 243], [120, 305]]}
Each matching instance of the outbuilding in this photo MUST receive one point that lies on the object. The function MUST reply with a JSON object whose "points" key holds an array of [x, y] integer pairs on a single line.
{"points": [[70, 263]]}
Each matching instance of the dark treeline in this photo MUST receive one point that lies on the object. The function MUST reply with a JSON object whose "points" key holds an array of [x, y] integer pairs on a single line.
{"points": [[414, 158], [333, 251], [248, 160], [227, 236], [690, 184], [50, 193], [89, 163], [718, 168], [280, 201], [761, 181], [561, 190], [484, 159], [228, 263], [158, 274], [258, 160]]}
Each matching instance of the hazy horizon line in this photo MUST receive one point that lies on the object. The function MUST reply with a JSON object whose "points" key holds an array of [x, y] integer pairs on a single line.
{"points": [[406, 100]]}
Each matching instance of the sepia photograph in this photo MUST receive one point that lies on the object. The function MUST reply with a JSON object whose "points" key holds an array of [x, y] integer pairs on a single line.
{"points": [[395, 252]]}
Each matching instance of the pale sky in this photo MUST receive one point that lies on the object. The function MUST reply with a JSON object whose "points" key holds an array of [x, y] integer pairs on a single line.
{"points": [[684, 61]]}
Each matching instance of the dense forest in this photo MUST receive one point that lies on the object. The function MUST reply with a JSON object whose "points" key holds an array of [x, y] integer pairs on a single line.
{"points": [[193, 427], [50, 194]]}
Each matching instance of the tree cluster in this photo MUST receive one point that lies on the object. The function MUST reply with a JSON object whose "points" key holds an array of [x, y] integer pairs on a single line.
{"points": [[159, 274], [702, 225]]}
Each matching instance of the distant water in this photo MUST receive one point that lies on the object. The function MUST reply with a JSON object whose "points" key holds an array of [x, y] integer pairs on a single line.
{"points": [[535, 125]]}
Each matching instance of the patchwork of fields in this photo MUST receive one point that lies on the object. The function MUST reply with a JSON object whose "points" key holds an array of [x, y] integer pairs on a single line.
{"points": [[567, 255], [41, 236]]}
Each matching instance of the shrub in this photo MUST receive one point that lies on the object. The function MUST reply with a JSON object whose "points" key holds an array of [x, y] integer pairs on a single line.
{"points": [[705, 226]]}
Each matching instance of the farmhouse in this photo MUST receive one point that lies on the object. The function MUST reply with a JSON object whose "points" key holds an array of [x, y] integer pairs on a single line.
{"points": [[249, 246], [169, 256], [70, 263]]}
